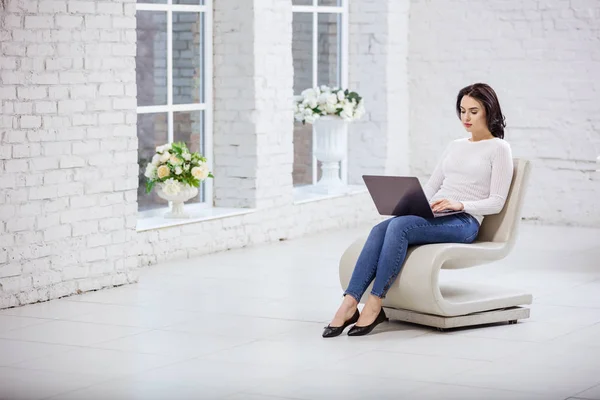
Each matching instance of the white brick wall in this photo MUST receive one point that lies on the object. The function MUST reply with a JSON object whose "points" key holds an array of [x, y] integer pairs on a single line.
{"points": [[543, 60], [378, 143], [253, 116], [65, 155]]}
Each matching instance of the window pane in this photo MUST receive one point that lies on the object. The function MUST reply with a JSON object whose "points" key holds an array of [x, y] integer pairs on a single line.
{"points": [[152, 1], [187, 57], [189, 2], [188, 127], [335, 3], [302, 49], [151, 132], [302, 172], [302, 2], [328, 65], [151, 58]]}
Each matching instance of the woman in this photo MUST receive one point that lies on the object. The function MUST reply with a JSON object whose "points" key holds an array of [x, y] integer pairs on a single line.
{"points": [[474, 175]]}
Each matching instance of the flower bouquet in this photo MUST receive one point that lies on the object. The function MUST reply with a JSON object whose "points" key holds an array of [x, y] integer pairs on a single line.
{"points": [[329, 110], [176, 173], [321, 101]]}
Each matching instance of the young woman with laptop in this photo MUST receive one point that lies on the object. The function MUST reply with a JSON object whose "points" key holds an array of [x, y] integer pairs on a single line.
{"points": [[473, 175]]}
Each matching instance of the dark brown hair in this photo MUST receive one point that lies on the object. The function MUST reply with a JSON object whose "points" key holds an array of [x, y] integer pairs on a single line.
{"points": [[486, 96]]}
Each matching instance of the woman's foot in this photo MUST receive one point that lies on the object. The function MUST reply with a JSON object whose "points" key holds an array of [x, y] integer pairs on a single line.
{"points": [[332, 331], [345, 312], [370, 311], [346, 315], [365, 330]]}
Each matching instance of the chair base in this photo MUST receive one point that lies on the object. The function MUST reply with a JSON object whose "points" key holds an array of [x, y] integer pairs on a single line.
{"points": [[510, 315]]}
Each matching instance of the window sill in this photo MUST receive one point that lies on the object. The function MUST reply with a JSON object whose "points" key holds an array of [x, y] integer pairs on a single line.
{"points": [[308, 193], [149, 220]]}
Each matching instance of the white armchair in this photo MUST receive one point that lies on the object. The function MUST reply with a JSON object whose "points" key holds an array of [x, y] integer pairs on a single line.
{"points": [[416, 296]]}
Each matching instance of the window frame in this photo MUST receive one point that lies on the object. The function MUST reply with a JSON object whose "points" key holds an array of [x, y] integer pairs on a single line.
{"points": [[315, 9], [206, 106]]}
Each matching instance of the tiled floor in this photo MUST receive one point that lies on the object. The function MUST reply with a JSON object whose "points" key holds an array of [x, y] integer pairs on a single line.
{"points": [[247, 324]]}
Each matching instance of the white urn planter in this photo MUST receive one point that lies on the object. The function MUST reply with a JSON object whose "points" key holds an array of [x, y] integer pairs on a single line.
{"points": [[331, 135], [187, 192]]}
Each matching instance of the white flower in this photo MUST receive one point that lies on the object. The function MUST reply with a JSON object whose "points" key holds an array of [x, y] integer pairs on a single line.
{"points": [[175, 160], [178, 171], [340, 95], [150, 171], [200, 172], [347, 112], [156, 159], [330, 108], [165, 157], [311, 118], [187, 156], [171, 187]]}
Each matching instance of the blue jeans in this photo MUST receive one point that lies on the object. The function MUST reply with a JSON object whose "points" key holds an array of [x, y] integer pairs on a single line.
{"points": [[384, 252]]}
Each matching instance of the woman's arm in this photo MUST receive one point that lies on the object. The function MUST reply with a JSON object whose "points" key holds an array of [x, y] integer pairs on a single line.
{"points": [[502, 172], [437, 177]]}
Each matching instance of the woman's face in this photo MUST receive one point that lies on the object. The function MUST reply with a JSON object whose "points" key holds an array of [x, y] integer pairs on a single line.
{"points": [[472, 114]]}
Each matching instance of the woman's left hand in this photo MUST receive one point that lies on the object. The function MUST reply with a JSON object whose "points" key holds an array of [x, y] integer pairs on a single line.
{"points": [[446, 205]]}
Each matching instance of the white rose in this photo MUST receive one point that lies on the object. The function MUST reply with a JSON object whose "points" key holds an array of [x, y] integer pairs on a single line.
{"points": [[311, 118], [200, 172], [150, 171], [165, 157], [178, 171], [347, 112], [175, 160], [308, 93], [330, 108], [156, 159], [340, 95], [187, 156], [323, 98], [171, 187]]}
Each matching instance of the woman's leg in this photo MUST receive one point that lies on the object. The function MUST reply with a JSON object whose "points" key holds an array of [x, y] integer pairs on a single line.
{"points": [[364, 273], [411, 230]]}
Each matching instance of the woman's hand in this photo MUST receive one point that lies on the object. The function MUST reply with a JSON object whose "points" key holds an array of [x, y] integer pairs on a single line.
{"points": [[446, 205]]}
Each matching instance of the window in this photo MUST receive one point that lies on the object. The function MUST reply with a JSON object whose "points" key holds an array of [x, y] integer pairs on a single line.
{"points": [[174, 75], [320, 53]]}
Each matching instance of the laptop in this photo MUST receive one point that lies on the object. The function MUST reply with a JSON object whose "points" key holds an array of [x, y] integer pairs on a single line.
{"points": [[401, 195]]}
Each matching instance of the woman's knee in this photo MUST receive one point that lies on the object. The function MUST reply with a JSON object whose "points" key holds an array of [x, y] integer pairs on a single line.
{"points": [[401, 224]]}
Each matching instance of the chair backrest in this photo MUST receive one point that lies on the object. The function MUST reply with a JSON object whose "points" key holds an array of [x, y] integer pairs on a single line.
{"points": [[502, 227]]}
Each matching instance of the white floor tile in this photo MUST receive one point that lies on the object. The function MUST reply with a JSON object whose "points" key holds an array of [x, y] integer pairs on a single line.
{"points": [[105, 363], [316, 385], [453, 346], [69, 333], [588, 336], [132, 389], [543, 380], [55, 309], [240, 326], [524, 331], [169, 343], [405, 366], [9, 322], [204, 371], [592, 393], [141, 317], [23, 384], [452, 392], [14, 351]]}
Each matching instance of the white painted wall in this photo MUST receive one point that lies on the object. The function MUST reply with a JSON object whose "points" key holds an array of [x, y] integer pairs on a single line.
{"points": [[543, 60]]}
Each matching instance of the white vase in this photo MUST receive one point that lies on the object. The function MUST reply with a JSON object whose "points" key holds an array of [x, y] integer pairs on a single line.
{"points": [[177, 200], [331, 134]]}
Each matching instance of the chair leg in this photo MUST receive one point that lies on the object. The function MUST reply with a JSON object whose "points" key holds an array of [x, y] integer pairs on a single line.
{"points": [[513, 322]]}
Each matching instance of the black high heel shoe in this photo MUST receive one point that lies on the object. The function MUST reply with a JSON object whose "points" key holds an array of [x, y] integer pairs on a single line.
{"points": [[365, 330], [333, 331]]}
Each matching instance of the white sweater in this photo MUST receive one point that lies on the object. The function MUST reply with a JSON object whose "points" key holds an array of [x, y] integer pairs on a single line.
{"points": [[478, 174]]}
